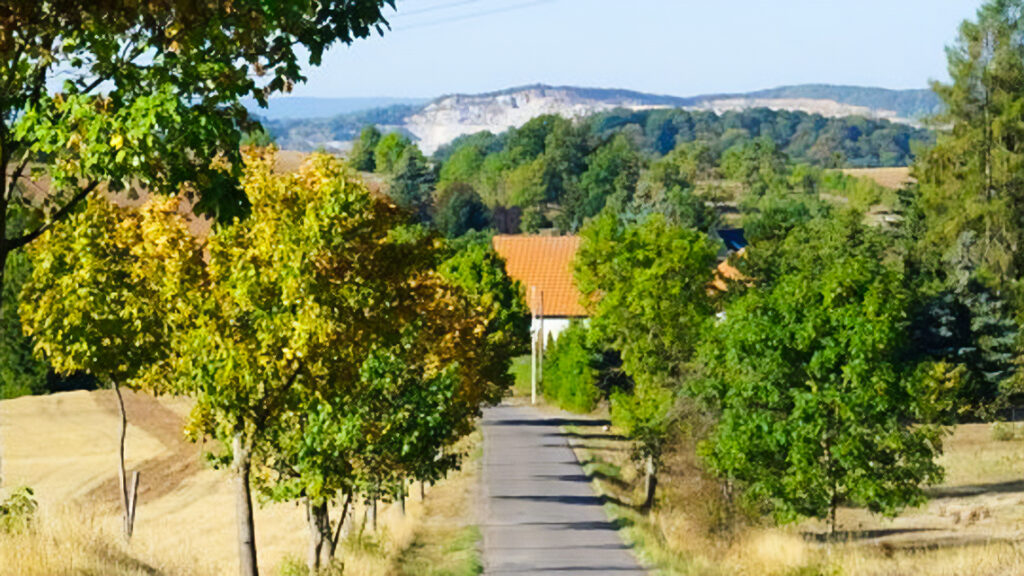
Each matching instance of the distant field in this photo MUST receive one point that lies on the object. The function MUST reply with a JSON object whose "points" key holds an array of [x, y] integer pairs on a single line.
{"points": [[894, 178]]}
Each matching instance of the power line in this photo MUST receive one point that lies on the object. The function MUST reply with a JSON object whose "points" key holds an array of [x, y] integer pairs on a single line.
{"points": [[473, 15], [438, 7]]}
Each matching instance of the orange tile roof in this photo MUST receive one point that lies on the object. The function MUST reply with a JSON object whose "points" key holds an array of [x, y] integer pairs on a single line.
{"points": [[544, 262], [725, 272]]}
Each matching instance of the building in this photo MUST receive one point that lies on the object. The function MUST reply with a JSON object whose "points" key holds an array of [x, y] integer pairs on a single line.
{"points": [[543, 264]]}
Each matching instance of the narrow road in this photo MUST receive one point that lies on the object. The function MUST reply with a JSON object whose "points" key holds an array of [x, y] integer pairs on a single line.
{"points": [[540, 515]]}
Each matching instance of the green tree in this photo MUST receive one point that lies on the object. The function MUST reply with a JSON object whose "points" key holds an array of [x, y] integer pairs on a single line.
{"points": [[463, 166], [758, 164], [412, 183], [817, 402], [611, 177], [20, 371], [459, 210], [389, 151], [100, 297], [645, 285], [525, 185], [130, 94], [364, 150], [973, 179]]}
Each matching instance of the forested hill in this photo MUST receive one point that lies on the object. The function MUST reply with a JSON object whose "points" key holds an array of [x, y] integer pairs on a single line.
{"points": [[444, 119]]}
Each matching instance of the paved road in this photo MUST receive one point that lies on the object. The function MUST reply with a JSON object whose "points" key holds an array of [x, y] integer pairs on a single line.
{"points": [[540, 515]]}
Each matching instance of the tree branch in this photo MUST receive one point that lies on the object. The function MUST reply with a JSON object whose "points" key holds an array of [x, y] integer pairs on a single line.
{"points": [[66, 209]]}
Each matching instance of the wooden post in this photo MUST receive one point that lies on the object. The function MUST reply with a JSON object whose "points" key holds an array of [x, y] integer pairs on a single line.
{"points": [[133, 498], [533, 348]]}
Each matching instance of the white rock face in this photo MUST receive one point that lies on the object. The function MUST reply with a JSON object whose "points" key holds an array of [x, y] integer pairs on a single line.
{"points": [[827, 108], [448, 118]]}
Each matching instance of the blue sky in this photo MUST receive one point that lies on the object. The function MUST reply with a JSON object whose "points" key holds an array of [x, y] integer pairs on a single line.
{"points": [[680, 47]]}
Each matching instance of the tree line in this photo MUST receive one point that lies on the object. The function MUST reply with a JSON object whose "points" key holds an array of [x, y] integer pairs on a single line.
{"points": [[826, 370]]}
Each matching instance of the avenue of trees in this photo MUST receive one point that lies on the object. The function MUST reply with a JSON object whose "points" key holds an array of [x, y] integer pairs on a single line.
{"points": [[825, 372], [335, 349]]}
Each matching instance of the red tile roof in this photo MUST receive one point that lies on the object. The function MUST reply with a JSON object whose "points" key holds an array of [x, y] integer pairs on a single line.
{"points": [[544, 262]]}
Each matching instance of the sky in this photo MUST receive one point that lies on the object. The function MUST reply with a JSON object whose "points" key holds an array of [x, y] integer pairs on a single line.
{"points": [[676, 47]]}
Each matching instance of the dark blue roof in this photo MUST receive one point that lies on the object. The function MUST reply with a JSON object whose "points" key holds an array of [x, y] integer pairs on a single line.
{"points": [[733, 238]]}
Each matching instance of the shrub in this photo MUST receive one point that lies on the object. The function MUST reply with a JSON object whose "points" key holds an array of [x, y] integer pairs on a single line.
{"points": [[1002, 432], [18, 510], [570, 373]]}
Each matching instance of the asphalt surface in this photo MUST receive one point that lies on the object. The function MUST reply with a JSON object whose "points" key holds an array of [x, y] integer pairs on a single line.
{"points": [[539, 512]]}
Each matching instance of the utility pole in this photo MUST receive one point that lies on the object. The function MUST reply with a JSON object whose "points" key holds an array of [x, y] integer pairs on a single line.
{"points": [[533, 348], [542, 342]]}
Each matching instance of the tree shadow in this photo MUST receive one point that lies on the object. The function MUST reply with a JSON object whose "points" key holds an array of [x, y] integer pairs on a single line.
{"points": [[856, 535], [975, 489], [585, 436], [545, 422]]}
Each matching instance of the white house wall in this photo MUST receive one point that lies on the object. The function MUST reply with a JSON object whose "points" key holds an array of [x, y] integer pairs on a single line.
{"points": [[552, 327]]}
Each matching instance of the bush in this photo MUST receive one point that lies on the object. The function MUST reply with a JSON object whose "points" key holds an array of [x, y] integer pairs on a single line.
{"points": [[570, 373], [18, 510], [1002, 432]]}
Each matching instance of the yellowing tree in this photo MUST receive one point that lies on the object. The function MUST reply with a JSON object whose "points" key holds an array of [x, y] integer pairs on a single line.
{"points": [[101, 296]]}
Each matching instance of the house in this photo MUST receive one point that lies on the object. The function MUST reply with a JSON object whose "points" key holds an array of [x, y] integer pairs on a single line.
{"points": [[543, 264]]}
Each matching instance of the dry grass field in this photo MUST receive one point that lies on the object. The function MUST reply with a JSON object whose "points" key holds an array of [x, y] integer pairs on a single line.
{"points": [[64, 446], [892, 178], [973, 524]]}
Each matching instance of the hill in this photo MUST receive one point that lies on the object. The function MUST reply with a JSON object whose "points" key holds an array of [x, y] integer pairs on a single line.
{"points": [[294, 107], [440, 121]]}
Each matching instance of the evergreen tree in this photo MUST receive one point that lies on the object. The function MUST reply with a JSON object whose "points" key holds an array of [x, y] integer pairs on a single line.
{"points": [[412, 183], [362, 156]]}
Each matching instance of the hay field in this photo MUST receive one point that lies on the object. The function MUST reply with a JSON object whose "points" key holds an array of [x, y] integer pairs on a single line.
{"points": [[892, 178], [65, 447]]}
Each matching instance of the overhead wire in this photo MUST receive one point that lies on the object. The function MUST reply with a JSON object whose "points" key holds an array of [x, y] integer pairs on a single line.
{"points": [[471, 15]]}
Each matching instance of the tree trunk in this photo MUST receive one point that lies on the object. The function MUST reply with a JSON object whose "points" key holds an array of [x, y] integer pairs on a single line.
{"points": [[243, 509], [3, 266], [373, 514], [650, 483], [338, 534], [320, 537], [401, 497], [423, 492], [126, 499]]}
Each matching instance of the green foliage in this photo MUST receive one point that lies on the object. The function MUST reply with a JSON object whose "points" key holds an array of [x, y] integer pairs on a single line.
{"points": [[17, 511], [758, 164], [363, 155], [971, 180], [570, 372], [818, 404], [645, 284], [257, 137], [100, 297], [411, 183], [611, 177], [460, 210], [388, 152], [1003, 431], [20, 371]]}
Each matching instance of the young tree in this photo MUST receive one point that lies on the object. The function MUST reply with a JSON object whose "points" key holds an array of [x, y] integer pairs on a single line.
{"points": [[100, 298], [645, 284], [817, 402], [388, 152], [362, 156]]}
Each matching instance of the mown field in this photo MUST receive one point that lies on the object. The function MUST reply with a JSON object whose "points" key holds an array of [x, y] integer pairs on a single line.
{"points": [[64, 446]]}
